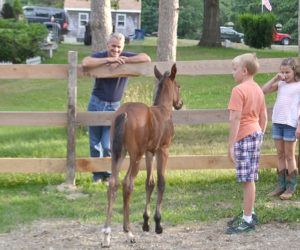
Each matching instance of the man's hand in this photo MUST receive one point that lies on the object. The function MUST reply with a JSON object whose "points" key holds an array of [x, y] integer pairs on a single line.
{"points": [[119, 60]]}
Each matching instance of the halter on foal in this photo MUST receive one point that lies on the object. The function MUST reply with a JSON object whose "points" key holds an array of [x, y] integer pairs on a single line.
{"points": [[138, 130]]}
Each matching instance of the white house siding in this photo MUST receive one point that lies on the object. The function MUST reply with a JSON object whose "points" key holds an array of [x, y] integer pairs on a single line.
{"points": [[76, 33], [132, 23]]}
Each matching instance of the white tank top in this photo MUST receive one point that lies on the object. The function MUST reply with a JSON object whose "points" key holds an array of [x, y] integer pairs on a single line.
{"points": [[287, 105]]}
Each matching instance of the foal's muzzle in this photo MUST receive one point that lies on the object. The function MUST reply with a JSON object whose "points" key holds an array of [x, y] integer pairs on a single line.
{"points": [[179, 105]]}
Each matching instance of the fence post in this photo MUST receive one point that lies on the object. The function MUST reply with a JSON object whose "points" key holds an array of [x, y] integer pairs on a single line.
{"points": [[72, 113]]}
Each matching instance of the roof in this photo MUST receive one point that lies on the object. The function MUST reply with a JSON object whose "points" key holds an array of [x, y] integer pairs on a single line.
{"points": [[127, 5]]}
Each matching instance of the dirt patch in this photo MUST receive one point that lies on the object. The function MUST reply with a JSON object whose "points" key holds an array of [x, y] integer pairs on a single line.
{"points": [[70, 234]]}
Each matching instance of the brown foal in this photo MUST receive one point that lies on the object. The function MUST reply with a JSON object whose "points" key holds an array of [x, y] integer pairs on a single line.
{"points": [[138, 130]]}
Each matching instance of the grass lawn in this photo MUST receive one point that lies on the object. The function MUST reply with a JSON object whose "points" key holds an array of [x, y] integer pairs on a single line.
{"points": [[191, 196]]}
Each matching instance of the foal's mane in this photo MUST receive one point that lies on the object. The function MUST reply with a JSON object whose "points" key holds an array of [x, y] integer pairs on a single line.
{"points": [[159, 88]]}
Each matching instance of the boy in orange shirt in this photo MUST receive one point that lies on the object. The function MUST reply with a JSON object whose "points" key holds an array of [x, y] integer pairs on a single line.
{"points": [[248, 121]]}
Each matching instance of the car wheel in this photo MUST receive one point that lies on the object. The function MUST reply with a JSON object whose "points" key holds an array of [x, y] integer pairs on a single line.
{"points": [[285, 41]]}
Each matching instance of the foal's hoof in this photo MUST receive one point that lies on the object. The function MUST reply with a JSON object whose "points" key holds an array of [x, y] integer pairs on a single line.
{"points": [[158, 229], [106, 241], [131, 237], [146, 227]]}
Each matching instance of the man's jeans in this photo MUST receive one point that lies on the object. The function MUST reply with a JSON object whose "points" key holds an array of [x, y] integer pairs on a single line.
{"points": [[99, 136]]}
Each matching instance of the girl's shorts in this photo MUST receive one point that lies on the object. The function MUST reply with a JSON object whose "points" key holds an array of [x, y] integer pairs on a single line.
{"points": [[246, 154], [284, 132]]}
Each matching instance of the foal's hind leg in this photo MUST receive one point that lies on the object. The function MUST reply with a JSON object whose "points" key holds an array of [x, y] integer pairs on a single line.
{"points": [[114, 184], [161, 158], [150, 183], [128, 184]]}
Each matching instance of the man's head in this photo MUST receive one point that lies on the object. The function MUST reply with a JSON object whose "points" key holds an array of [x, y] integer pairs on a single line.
{"points": [[115, 44]]}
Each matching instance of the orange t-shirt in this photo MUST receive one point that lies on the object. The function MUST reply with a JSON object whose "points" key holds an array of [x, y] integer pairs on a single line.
{"points": [[248, 98]]}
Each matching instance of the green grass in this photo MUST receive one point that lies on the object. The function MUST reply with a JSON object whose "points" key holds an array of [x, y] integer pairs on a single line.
{"points": [[190, 196]]}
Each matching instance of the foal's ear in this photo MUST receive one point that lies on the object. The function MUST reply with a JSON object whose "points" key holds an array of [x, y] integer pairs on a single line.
{"points": [[157, 74], [173, 72]]}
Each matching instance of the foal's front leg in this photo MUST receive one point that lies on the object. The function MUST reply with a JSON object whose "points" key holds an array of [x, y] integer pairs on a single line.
{"points": [[150, 183], [161, 158]]}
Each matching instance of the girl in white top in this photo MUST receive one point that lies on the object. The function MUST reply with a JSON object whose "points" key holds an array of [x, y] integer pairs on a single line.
{"points": [[286, 124]]}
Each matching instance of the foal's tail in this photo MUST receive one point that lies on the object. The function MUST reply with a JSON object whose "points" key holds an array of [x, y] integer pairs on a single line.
{"points": [[118, 136]]}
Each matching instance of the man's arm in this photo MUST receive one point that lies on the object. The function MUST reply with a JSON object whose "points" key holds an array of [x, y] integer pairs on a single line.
{"points": [[139, 58], [234, 120], [91, 62]]}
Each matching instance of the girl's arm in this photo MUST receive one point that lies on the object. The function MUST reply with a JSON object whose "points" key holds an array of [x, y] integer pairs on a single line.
{"points": [[298, 129], [272, 85]]}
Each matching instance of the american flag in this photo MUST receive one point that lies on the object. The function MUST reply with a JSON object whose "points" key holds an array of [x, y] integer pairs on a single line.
{"points": [[267, 4]]}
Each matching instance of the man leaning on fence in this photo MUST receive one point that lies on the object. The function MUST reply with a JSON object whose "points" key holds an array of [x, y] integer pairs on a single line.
{"points": [[107, 94]]}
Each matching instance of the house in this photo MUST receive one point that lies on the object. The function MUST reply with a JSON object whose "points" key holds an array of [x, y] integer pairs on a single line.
{"points": [[125, 19], [1, 4]]}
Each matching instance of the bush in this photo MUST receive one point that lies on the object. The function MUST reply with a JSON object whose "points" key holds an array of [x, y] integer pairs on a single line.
{"points": [[20, 40], [7, 11], [258, 29]]}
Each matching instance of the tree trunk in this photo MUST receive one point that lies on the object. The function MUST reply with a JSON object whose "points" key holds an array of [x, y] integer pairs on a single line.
{"points": [[211, 36], [101, 24], [167, 30]]}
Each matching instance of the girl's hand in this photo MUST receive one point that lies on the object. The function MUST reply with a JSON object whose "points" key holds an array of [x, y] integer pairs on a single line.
{"points": [[298, 132], [279, 76]]}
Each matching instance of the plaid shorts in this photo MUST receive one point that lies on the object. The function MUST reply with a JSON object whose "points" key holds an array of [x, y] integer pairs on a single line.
{"points": [[246, 154]]}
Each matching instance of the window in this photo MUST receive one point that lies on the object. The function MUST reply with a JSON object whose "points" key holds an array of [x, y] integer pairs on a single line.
{"points": [[121, 19], [57, 15], [28, 11], [42, 13], [83, 19]]}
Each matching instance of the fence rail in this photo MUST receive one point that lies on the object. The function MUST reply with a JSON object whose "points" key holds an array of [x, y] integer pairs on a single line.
{"points": [[193, 116], [71, 118]]}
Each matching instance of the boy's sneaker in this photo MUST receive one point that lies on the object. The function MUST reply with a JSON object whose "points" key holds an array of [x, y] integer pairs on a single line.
{"points": [[242, 227], [235, 221]]}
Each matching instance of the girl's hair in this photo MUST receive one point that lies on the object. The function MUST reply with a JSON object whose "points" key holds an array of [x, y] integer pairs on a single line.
{"points": [[248, 61], [295, 66]]}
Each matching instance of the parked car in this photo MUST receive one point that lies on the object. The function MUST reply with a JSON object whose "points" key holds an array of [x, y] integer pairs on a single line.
{"points": [[36, 14], [281, 38], [228, 33]]}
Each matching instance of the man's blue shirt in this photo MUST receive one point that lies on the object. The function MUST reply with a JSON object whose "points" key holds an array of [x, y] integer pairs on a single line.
{"points": [[110, 89]]}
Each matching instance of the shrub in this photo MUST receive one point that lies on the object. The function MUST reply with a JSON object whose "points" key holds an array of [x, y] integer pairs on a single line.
{"points": [[7, 11], [20, 40], [258, 29]]}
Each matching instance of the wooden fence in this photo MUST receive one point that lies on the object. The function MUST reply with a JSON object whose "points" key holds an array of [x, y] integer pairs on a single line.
{"points": [[71, 118]]}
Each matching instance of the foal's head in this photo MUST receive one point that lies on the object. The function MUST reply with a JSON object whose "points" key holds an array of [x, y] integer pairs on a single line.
{"points": [[168, 78]]}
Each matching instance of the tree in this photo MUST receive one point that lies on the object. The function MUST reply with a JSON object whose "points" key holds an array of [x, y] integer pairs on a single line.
{"points": [[150, 15], [101, 23], [167, 30], [211, 36], [190, 19], [7, 11], [17, 9]]}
